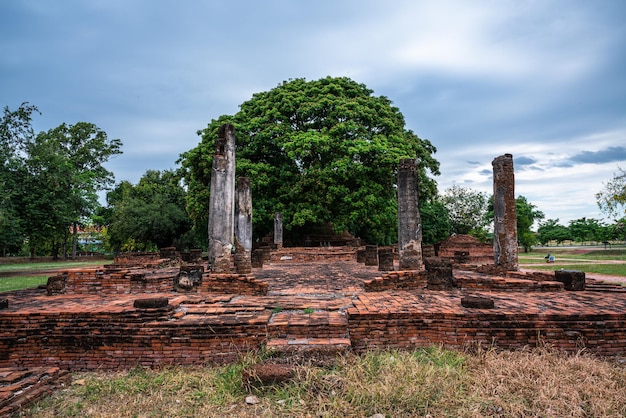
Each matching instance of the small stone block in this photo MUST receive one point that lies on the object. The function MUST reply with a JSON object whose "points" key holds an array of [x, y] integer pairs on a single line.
{"points": [[151, 303], [572, 279], [478, 302]]}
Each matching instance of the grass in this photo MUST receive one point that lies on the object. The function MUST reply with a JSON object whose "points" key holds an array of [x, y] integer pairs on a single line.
{"points": [[425, 382], [20, 267], [8, 284], [610, 261], [23, 280]]}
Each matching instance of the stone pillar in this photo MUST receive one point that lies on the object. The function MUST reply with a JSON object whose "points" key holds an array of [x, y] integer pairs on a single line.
{"points": [[439, 274], [409, 221], [571, 279], [385, 259], [371, 255], [257, 258], [504, 214], [243, 226], [221, 203], [278, 230]]}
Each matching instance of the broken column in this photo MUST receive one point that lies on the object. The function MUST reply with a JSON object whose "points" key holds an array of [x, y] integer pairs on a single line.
{"points": [[221, 203], [278, 230], [385, 259], [504, 214], [371, 255], [243, 226], [409, 222]]}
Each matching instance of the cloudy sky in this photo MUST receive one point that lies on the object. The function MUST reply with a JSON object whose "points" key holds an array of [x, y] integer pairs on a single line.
{"points": [[542, 80]]}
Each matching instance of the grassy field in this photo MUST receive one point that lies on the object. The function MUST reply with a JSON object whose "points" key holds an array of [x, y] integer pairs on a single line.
{"points": [[587, 259], [8, 284], [428, 382], [17, 276]]}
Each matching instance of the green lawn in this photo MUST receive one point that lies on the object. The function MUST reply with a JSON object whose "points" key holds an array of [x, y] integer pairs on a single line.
{"points": [[8, 284], [52, 265], [21, 281]]}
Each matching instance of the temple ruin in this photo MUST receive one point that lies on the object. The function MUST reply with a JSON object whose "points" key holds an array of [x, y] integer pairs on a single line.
{"points": [[153, 310]]}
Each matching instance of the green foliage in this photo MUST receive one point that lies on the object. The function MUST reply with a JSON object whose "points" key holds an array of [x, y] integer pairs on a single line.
{"points": [[436, 225], [148, 216], [612, 199], [51, 179], [467, 210], [527, 214], [320, 152], [551, 230]]}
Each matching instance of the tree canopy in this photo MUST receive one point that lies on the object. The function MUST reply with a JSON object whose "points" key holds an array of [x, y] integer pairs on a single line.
{"points": [[323, 151], [612, 199], [51, 179], [149, 215], [467, 210]]}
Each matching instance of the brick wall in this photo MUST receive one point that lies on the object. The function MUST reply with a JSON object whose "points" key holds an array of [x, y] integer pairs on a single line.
{"points": [[379, 321], [313, 254], [106, 340], [240, 284]]}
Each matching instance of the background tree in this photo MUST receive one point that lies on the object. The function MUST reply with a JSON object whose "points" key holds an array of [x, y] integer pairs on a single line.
{"points": [[551, 230], [527, 215], [436, 224], [589, 229], [320, 152], [15, 132], [150, 215], [467, 210], [612, 199], [81, 150], [50, 180]]}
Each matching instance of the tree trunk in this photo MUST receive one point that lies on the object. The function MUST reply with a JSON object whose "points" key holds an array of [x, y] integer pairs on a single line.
{"points": [[74, 240]]}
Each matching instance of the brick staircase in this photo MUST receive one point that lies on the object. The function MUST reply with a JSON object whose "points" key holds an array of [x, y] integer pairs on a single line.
{"points": [[20, 387], [318, 333]]}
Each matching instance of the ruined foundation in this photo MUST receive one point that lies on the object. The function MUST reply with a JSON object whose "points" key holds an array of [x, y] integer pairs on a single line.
{"points": [[116, 317]]}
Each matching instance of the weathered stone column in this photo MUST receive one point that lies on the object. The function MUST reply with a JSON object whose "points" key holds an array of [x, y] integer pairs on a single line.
{"points": [[385, 259], [371, 255], [243, 226], [278, 230], [504, 214], [221, 202], [409, 221]]}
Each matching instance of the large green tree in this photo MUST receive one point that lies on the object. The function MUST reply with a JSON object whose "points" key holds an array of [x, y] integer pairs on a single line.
{"points": [[323, 151], [80, 151], [15, 132], [149, 215], [51, 179]]}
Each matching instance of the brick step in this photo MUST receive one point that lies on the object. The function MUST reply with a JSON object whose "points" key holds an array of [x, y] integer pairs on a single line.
{"points": [[312, 346], [603, 287], [316, 325], [19, 388]]}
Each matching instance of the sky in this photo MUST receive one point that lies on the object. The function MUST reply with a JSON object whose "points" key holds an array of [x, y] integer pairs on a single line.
{"points": [[544, 80]]}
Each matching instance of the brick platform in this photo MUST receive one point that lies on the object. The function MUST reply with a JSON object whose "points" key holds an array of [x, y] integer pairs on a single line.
{"points": [[87, 331]]}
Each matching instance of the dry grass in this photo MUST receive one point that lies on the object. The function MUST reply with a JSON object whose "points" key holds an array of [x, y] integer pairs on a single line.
{"points": [[429, 382]]}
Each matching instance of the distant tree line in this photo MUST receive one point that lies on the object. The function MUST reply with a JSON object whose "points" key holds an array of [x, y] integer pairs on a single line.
{"points": [[583, 230]]}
